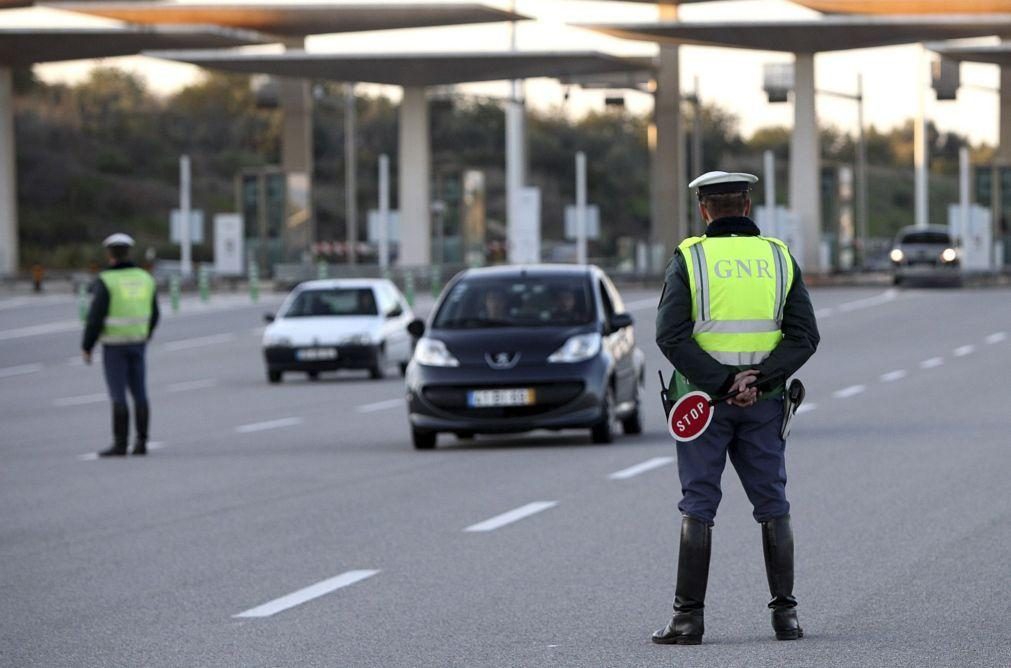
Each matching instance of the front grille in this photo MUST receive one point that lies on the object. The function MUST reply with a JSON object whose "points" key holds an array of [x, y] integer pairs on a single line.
{"points": [[549, 396]]}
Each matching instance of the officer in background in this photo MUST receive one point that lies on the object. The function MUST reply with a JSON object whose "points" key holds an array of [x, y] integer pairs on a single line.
{"points": [[734, 311], [123, 314]]}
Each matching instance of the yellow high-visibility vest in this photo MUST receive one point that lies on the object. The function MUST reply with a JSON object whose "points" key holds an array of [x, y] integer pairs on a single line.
{"points": [[131, 292], [739, 286]]}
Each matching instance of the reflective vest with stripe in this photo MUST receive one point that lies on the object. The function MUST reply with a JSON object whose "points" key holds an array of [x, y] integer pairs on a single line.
{"points": [[131, 292], [739, 286]]}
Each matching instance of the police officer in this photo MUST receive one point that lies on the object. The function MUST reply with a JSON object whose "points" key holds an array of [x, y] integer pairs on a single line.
{"points": [[734, 311], [123, 314]]}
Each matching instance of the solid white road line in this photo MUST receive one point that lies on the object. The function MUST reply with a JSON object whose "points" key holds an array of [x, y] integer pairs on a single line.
{"points": [[20, 370], [198, 342], [824, 312], [192, 385], [892, 376], [996, 337], [90, 457], [647, 465], [932, 363], [269, 424], [876, 300], [37, 330], [80, 400], [806, 408], [307, 594], [380, 406], [155, 445], [847, 392], [512, 516], [962, 351]]}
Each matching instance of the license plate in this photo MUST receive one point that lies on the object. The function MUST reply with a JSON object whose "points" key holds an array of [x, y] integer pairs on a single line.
{"points": [[315, 354], [491, 398]]}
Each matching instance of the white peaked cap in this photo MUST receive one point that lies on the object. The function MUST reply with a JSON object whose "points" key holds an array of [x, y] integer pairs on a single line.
{"points": [[118, 239], [723, 181]]}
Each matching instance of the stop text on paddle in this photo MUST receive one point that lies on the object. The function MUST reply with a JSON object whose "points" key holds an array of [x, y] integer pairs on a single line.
{"points": [[690, 416]]}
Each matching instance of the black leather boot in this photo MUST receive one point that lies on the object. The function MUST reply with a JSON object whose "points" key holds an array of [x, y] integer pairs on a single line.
{"points": [[687, 625], [141, 418], [120, 431], [777, 541]]}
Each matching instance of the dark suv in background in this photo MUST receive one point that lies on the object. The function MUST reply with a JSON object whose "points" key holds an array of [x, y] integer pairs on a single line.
{"points": [[512, 349]]}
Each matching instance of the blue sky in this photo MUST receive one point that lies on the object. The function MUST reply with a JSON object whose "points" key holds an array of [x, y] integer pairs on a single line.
{"points": [[728, 77]]}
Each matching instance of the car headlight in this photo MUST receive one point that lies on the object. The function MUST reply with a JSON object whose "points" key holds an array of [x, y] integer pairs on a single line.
{"points": [[432, 352], [577, 349], [276, 340], [357, 340], [896, 255], [949, 255]]}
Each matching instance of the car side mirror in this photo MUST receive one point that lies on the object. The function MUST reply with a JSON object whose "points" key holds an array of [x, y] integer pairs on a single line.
{"points": [[395, 312], [268, 317], [416, 328], [621, 321]]}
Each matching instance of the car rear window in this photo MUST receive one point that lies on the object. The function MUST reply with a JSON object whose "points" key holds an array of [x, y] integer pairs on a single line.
{"points": [[333, 302], [926, 238], [527, 302]]}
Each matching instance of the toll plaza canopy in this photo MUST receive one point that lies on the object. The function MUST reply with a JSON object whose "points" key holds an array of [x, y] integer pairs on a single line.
{"points": [[413, 69], [294, 19], [833, 33], [25, 46], [908, 6], [996, 54]]}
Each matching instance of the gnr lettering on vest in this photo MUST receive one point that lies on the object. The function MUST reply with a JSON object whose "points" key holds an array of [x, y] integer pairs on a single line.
{"points": [[742, 269]]}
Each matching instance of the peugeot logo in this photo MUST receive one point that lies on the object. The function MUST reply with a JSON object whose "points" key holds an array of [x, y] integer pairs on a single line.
{"points": [[502, 360]]}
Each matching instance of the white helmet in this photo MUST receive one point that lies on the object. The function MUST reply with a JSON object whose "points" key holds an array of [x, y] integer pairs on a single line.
{"points": [[118, 239]]}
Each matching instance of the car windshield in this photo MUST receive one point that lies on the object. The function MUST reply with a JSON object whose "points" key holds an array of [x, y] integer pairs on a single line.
{"points": [[333, 302], [939, 238], [526, 302]]}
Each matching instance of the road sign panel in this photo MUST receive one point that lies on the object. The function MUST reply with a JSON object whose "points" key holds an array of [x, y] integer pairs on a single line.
{"points": [[690, 416]]}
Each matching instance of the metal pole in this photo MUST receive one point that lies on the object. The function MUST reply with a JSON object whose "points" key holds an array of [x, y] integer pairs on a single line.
{"points": [[963, 195], [581, 208], [920, 147], [696, 215], [185, 257], [863, 220], [515, 145], [384, 212], [351, 172], [769, 160]]}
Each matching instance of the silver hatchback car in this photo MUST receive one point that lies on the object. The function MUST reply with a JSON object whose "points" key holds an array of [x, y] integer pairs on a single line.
{"points": [[928, 254]]}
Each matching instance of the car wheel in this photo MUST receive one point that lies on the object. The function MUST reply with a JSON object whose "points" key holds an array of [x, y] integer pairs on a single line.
{"points": [[313, 375], [465, 435], [603, 431], [631, 424], [403, 369], [423, 440], [274, 377], [896, 280], [378, 370]]}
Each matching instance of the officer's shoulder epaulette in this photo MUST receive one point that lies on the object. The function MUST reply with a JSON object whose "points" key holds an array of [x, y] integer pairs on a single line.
{"points": [[778, 242], [689, 242]]}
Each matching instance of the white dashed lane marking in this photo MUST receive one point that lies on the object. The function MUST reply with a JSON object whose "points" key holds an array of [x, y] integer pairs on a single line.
{"points": [[512, 516], [280, 423], [847, 392], [199, 342], [806, 408], [893, 376], [306, 594], [932, 363], [192, 385], [81, 400], [962, 351], [380, 406], [996, 337], [638, 469], [20, 370]]}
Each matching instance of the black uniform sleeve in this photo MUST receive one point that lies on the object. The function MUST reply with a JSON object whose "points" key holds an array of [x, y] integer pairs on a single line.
{"points": [[96, 315], [800, 332], [155, 315], [674, 328]]}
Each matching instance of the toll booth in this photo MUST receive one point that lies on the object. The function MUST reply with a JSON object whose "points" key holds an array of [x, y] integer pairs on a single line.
{"points": [[261, 198]]}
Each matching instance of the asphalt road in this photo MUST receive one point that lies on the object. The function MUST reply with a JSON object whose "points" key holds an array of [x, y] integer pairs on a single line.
{"points": [[293, 525]]}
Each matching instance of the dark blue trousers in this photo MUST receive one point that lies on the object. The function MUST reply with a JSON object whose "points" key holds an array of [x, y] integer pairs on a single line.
{"points": [[751, 437], [124, 367]]}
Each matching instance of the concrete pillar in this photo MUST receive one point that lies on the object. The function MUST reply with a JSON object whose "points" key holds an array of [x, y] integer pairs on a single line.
{"points": [[805, 164], [297, 162], [1003, 155], [8, 178], [667, 180], [413, 178]]}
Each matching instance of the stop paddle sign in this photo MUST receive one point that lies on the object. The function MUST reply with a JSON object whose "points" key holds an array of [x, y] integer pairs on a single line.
{"points": [[690, 416]]}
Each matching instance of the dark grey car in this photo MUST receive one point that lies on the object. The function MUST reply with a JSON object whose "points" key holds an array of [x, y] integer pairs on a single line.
{"points": [[926, 254]]}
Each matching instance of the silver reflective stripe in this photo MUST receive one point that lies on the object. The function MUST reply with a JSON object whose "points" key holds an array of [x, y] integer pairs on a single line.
{"points": [[124, 322], [736, 326], [781, 278], [738, 359], [701, 281]]}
